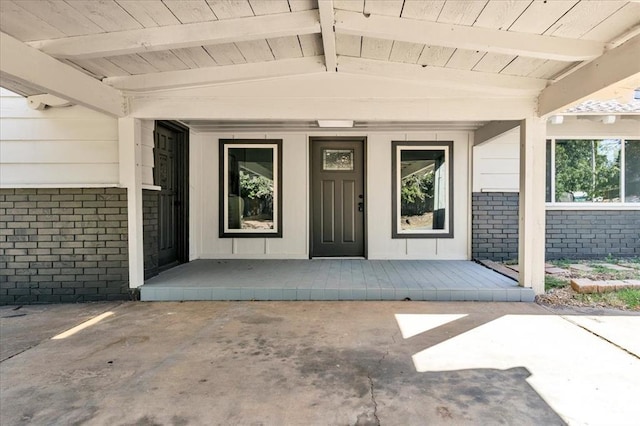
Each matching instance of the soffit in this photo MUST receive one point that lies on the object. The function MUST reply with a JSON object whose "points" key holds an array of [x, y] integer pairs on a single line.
{"points": [[504, 48]]}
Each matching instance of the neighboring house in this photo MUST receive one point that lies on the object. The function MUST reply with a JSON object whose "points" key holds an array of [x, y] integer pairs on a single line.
{"points": [[592, 186], [282, 129]]}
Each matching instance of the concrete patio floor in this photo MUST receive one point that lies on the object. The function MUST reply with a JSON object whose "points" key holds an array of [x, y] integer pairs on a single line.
{"points": [[317, 363]]}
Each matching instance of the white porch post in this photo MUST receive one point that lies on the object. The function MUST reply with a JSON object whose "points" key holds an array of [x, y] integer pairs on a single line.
{"points": [[531, 241], [130, 154]]}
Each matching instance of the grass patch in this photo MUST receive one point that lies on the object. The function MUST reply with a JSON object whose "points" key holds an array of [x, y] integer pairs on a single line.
{"points": [[561, 263], [551, 281], [630, 296]]}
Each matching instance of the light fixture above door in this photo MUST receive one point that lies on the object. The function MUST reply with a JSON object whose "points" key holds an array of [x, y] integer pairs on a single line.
{"points": [[335, 123]]}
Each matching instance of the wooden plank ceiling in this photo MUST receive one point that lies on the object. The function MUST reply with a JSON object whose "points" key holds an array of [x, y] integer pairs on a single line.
{"points": [[495, 41]]}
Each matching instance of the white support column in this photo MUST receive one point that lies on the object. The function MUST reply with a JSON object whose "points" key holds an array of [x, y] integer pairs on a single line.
{"points": [[130, 155], [531, 241]]}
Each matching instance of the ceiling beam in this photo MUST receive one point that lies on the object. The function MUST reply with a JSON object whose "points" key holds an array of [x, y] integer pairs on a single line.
{"points": [[361, 109], [465, 37], [215, 75], [325, 9], [32, 68], [492, 130], [617, 68], [181, 35], [497, 84]]}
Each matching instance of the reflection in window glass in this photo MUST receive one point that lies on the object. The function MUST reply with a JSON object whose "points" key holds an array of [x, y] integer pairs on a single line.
{"points": [[587, 170], [423, 189], [250, 191], [250, 188], [337, 159], [632, 171]]}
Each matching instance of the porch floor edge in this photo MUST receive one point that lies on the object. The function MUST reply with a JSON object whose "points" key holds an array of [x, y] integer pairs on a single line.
{"points": [[175, 294]]}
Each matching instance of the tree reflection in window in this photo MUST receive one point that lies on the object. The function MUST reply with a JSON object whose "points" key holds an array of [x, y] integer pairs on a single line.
{"points": [[422, 179], [250, 178]]}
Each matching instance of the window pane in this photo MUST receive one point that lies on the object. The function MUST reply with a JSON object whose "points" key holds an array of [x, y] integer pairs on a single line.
{"points": [[588, 170], [423, 190], [632, 171], [251, 188], [607, 158], [337, 159]]}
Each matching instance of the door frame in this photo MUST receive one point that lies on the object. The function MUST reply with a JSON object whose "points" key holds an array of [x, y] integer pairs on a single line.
{"points": [[361, 139], [182, 152]]}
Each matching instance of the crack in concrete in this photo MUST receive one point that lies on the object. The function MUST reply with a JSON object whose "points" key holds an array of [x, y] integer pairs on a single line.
{"points": [[373, 400], [600, 336], [372, 388]]}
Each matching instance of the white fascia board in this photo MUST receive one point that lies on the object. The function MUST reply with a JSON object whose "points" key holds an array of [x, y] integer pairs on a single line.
{"points": [[32, 68], [496, 84], [465, 37], [216, 75], [181, 35], [325, 9], [619, 67], [156, 106]]}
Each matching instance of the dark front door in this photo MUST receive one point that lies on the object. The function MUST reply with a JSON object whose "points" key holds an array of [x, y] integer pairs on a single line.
{"points": [[170, 174], [338, 203]]}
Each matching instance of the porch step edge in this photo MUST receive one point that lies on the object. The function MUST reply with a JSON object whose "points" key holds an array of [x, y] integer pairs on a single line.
{"points": [[166, 294]]}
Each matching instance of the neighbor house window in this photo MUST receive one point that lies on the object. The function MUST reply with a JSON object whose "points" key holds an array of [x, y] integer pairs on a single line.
{"points": [[422, 189], [593, 171], [250, 188]]}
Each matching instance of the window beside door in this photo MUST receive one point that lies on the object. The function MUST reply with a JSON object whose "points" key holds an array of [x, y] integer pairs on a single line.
{"points": [[422, 189], [250, 188]]}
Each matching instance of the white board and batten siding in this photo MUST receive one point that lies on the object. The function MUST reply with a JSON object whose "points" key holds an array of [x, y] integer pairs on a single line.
{"points": [[62, 147], [205, 241]]}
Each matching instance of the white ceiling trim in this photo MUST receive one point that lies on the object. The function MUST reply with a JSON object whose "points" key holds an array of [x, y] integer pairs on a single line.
{"points": [[182, 35], [215, 75], [465, 37], [617, 68], [32, 68], [161, 106], [325, 9], [497, 84]]}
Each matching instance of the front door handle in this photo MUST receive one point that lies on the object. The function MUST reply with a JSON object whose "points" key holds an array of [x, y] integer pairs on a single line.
{"points": [[361, 207]]}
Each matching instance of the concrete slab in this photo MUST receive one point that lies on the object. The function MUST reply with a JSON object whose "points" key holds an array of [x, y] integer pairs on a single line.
{"points": [[555, 270], [614, 267], [581, 267], [23, 327], [623, 331], [318, 363]]}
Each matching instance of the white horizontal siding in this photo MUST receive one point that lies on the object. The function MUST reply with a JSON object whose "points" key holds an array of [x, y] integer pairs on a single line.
{"points": [[70, 146], [496, 164]]}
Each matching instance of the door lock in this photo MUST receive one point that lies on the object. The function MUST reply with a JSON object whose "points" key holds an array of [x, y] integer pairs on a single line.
{"points": [[360, 207]]}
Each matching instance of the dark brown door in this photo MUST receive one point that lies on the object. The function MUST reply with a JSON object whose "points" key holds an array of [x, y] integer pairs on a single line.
{"points": [[170, 175], [338, 203]]}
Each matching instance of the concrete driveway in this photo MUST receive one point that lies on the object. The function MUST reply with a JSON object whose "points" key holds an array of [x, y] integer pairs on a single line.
{"points": [[316, 363]]}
